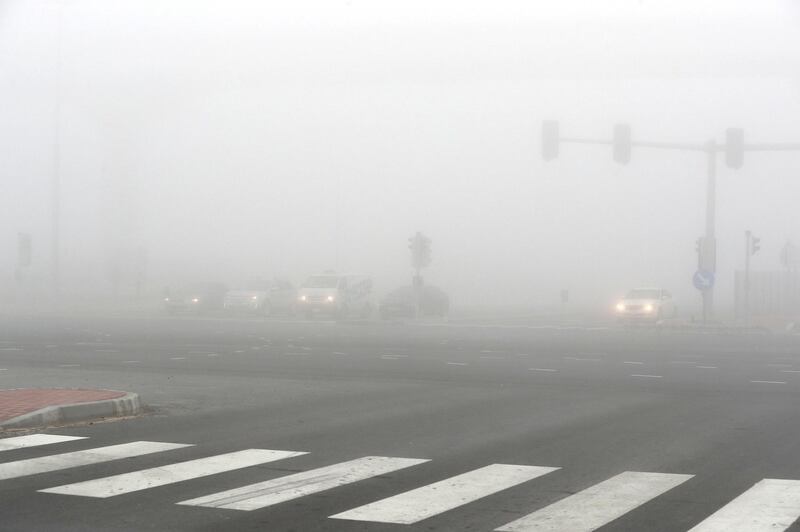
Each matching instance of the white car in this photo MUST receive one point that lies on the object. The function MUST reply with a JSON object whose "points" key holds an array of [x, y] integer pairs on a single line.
{"points": [[646, 304], [262, 297], [335, 295]]}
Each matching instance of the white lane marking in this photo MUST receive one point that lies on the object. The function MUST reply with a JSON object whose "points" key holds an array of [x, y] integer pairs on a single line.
{"points": [[687, 362], [169, 474], [291, 354], [598, 505], [427, 501], [69, 365], [11, 349], [211, 355], [177, 358], [131, 361], [549, 370], [790, 371], [57, 462], [705, 367], [263, 494], [34, 440], [106, 350], [3, 369], [769, 382], [457, 364], [645, 376], [582, 359], [491, 357], [779, 365], [770, 505], [633, 362], [339, 353]]}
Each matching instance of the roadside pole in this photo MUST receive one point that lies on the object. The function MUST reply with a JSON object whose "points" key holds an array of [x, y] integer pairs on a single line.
{"points": [[746, 288], [710, 239]]}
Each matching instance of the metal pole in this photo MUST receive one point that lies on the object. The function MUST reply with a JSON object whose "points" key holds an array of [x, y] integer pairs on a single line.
{"points": [[711, 206], [56, 206], [747, 238]]}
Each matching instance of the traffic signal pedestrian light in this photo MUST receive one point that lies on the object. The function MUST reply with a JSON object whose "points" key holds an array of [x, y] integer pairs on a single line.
{"points": [[734, 147], [622, 143], [549, 140]]}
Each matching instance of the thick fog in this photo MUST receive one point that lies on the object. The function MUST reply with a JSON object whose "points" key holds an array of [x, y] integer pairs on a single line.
{"points": [[219, 141]]}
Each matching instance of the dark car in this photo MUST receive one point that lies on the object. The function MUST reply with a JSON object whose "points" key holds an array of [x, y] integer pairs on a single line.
{"points": [[195, 299], [410, 302]]}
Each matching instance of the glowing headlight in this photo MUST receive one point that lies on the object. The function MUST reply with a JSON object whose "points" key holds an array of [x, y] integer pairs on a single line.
{"points": [[254, 298], [166, 299], [303, 298], [620, 307], [648, 308], [330, 298], [195, 300]]}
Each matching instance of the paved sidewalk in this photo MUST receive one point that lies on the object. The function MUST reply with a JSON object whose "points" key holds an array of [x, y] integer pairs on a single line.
{"points": [[41, 406]]}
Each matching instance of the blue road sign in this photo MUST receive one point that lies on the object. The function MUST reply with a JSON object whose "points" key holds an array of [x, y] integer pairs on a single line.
{"points": [[703, 280]]}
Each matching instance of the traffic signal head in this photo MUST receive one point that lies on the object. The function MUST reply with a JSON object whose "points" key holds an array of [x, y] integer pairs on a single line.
{"points": [[755, 245], [734, 147], [622, 143], [549, 140]]}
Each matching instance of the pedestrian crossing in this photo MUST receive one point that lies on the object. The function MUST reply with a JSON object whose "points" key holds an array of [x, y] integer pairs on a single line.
{"points": [[769, 505]]}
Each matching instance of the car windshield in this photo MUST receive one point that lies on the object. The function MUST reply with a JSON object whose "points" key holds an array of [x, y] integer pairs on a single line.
{"points": [[644, 293], [322, 281]]}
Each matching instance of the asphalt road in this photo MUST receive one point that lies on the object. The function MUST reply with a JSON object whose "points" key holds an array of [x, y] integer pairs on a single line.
{"points": [[477, 427]]}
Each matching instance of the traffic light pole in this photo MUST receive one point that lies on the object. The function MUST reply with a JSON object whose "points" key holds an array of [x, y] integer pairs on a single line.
{"points": [[711, 217], [733, 149], [746, 297]]}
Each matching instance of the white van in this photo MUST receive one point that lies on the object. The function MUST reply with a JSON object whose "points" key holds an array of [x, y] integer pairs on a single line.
{"points": [[335, 295]]}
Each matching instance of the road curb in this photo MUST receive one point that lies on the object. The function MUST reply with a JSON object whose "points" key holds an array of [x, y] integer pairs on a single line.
{"points": [[127, 405]]}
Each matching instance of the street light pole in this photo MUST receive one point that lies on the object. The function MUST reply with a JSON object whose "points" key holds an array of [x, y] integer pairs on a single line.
{"points": [[56, 185]]}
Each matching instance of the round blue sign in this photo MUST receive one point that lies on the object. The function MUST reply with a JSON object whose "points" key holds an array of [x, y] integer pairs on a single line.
{"points": [[703, 280]]}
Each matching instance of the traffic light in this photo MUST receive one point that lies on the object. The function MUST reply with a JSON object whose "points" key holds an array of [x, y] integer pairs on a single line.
{"points": [[734, 147], [755, 245], [622, 143], [549, 140]]}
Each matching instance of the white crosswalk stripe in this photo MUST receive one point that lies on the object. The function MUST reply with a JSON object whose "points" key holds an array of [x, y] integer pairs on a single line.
{"points": [[263, 494], [598, 505], [770, 505], [427, 501], [169, 474], [34, 440], [45, 464]]}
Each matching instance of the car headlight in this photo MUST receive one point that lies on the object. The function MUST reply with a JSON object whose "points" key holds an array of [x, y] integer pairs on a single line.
{"points": [[166, 299], [620, 307], [649, 308], [254, 298], [330, 299], [303, 298], [195, 300]]}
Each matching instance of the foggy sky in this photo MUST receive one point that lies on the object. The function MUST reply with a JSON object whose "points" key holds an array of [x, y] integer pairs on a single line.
{"points": [[241, 139]]}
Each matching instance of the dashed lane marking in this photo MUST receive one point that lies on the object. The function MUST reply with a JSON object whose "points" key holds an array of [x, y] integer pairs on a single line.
{"points": [[769, 382], [646, 376], [548, 370]]}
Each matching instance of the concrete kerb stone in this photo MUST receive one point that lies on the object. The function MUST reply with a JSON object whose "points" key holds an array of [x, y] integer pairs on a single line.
{"points": [[127, 405]]}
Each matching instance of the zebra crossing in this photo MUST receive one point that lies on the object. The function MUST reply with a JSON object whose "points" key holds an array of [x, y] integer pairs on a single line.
{"points": [[769, 505]]}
